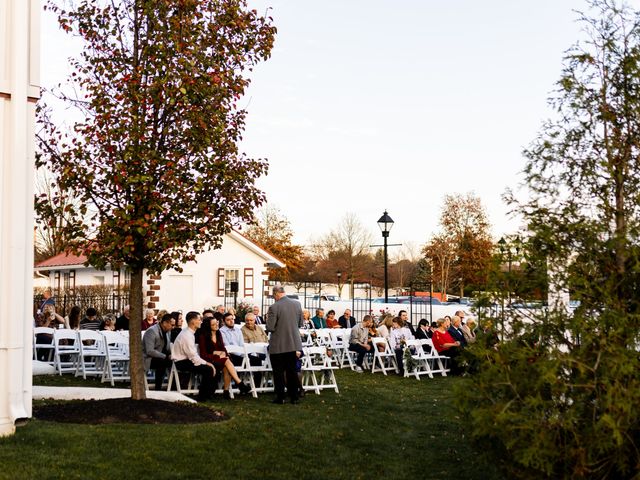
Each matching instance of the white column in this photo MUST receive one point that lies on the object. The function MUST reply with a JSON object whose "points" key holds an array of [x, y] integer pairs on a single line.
{"points": [[19, 79]]}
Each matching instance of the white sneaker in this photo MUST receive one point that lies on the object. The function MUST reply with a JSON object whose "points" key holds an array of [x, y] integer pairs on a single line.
{"points": [[359, 369]]}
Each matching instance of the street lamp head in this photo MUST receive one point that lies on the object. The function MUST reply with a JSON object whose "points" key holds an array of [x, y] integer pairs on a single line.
{"points": [[385, 223], [339, 274], [502, 244]]}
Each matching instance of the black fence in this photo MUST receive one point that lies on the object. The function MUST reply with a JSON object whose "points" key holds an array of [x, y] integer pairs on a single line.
{"points": [[103, 303], [309, 297]]}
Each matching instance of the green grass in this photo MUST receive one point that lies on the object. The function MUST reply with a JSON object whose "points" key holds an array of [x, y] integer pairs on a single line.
{"points": [[377, 427]]}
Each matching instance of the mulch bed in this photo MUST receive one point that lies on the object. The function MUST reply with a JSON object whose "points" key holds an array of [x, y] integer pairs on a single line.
{"points": [[126, 410]]}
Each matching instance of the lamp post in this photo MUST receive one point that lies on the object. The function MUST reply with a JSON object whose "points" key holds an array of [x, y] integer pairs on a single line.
{"points": [[385, 223], [339, 275]]}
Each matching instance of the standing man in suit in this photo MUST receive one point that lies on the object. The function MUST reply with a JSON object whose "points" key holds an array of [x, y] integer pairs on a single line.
{"points": [[156, 348], [284, 321]]}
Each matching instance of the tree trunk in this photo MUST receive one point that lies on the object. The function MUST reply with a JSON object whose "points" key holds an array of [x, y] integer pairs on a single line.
{"points": [[138, 391]]}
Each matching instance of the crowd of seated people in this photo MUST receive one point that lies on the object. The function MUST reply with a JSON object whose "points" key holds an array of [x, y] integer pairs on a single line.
{"points": [[201, 344]]}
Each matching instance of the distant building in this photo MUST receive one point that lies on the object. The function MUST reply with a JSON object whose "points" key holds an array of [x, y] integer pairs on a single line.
{"points": [[239, 264]]}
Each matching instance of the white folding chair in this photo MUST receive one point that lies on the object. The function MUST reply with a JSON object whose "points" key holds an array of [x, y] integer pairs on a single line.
{"points": [[325, 339], [384, 359], [43, 347], [254, 351], [241, 369], [340, 343], [192, 380], [116, 366], [92, 354], [66, 350], [419, 357], [437, 363], [317, 370]]}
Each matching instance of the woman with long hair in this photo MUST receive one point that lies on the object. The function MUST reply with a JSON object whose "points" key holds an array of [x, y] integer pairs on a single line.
{"points": [[212, 350], [73, 319]]}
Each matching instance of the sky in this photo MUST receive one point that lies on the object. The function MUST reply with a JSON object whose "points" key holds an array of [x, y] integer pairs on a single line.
{"points": [[367, 105]]}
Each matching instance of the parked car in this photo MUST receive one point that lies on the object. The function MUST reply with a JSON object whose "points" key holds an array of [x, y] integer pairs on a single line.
{"points": [[327, 298]]}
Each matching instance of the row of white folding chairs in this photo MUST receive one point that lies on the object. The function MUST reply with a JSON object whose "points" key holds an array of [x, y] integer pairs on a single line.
{"points": [[246, 370], [85, 352], [427, 360]]}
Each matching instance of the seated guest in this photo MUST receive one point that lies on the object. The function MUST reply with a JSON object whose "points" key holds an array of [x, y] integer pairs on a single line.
{"points": [[442, 339], [384, 329], [359, 341], [156, 348], [456, 332], [469, 331], [397, 340], [149, 319], [212, 349], [108, 322], [318, 320], [307, 324], [73, 319], [187, 359], [90, 320], [423, 329], [445, 345], [175, 331], [346, 320], [232, 335], [208, 313], [256, 313], [122, 322], [220, 309], [50, 318], [251, 333], [424, 332], [331, 320]]}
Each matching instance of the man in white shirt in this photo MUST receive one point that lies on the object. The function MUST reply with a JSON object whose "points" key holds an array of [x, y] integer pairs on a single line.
{"points": [[185, 354]]}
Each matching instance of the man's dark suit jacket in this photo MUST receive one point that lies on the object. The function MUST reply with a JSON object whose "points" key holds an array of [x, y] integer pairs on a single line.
{"points": [[457, 335]]}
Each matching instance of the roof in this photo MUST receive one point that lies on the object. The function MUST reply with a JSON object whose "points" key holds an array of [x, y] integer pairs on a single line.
{"points": [[70, 260], [62, 260], [270, 259]]}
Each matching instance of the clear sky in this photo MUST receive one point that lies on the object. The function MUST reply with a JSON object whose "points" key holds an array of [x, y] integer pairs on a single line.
{"points": [[367, 105]]}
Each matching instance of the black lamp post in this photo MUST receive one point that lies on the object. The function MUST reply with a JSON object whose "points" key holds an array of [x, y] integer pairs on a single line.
{"points": [[385, 223], [339, 275]]}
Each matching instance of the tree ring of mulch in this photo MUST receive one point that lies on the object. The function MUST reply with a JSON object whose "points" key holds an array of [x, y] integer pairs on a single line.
{"points": [[126, 410]]}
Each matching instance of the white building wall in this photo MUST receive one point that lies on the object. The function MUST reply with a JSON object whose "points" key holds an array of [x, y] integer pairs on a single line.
{"points": [[197, 287]]}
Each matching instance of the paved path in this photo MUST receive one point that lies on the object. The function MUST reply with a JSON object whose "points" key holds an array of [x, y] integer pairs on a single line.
{"points": [[81, 393]]}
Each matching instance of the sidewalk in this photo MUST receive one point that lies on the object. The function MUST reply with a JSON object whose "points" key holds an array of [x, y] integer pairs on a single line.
{"points": [[82, 393]]}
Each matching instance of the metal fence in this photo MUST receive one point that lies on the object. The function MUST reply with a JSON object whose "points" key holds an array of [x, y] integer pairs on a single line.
{"points": [[103, 303]]}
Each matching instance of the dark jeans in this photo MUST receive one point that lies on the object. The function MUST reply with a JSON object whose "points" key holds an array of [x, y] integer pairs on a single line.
{"points": [[400, 359], [361, 351], [236, 359], [160, 367], [285, 364], [207, 385]]}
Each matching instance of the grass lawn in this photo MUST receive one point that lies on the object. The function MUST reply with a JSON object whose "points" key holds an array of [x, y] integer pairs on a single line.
{"points": [[377, 428]]}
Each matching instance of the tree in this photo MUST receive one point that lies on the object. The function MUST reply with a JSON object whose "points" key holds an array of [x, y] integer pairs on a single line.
{"points": [[154, 157], [344, 249], [464, 220], [272, 231], [555, 399], [421, 279], [441, 252]]}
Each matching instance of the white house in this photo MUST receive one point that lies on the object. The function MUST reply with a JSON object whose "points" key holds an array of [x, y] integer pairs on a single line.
{"points": [[238, 265]]}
